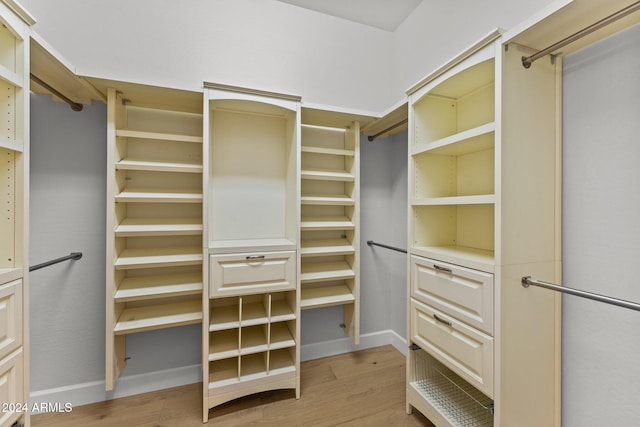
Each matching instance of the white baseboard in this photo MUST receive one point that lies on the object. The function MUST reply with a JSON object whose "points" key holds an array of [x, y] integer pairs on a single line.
{"points": [[94, 391], [344, 345]]}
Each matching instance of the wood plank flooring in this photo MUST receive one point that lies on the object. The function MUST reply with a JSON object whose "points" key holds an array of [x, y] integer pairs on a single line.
{"points": [[359, 389]]}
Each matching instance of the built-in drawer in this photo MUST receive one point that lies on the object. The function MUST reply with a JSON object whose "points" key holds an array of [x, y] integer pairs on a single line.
{"points": [[12, 387], [251, 273], [10, 317], [460, 292], [467, 351]]}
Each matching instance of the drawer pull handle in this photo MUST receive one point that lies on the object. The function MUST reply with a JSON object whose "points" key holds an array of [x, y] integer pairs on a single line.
{"points": [[445, 269], [441, 320], [255, 257]]}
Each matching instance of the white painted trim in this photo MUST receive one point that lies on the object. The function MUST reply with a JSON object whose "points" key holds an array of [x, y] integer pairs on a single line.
{"points": [[345, 345], [94, 391]]}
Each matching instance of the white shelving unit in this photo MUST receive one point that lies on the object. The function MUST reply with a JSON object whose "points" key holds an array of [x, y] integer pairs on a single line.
{"points": [[329, 226], [252, 205], [14, 199], [483, 213], [154, 221]]}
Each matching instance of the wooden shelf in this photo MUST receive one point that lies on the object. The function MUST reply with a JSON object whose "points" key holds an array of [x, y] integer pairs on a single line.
{"points": [[11, 77], [483, 199], [224, 317], [327, 199], [280, 337], [158, 257], [330, 151], [10, 274], [157, 166], [327, 175], [149, 287], [311, 248], [469, 141], [128, 133], [223, 373], [323, 271], [469, 257], [280, 362], [254, 314], [131, 227], [160, 316], [326, 223], [325, 296], [158, 196], [224, 344], [281, 311], [253, 340]]}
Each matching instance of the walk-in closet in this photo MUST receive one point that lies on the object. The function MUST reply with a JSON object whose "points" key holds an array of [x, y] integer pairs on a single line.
{"points": [[291, 212]]}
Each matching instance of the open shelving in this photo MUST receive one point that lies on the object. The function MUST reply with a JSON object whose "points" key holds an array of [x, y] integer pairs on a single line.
{"points": [[15, 34], [329, 229], [453, 168], [155, 227], [252, 204]]}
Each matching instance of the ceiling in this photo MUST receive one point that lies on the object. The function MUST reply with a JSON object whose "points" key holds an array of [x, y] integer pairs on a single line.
{"points": [[383, 14]]}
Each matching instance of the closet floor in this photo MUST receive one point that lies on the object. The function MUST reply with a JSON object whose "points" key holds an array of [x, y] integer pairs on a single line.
{"points": [[363, 388]]}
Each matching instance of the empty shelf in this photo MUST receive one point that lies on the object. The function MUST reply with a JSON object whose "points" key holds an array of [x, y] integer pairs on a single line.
{"points": [[327, 175], [326, 223], [157, 135], [327, 199], [224, 344], [224, 317], [481, 199], [159, 227], [310, 248], [161, 316], [254, 314], [281, 337], [323, 271], [331, 151], [326, 296], [143, 165], [140, 195], [281, 311], [158, 257], [146, 287]]}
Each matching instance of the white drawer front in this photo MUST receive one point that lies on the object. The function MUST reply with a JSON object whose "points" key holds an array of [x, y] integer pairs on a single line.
{"points": [[11, 386], [460, 292], [242, 274], [10, 317], [467, 351]]}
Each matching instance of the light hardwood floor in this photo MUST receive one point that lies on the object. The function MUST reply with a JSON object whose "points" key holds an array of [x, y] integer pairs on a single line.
{"points": [[364, 388]]}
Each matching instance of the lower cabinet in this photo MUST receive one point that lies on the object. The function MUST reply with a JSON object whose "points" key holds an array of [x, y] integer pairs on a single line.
{"points": [[253, 325], [450, 368], [12, 379]]}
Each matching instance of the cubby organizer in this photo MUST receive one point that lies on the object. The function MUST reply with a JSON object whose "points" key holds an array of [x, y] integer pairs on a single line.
{"points": [[154, 226], [330, 220], [251, 338], [252, 300]]}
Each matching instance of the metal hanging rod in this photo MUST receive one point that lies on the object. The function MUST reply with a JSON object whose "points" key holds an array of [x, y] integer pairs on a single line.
{"points": [[72, 255], [392, 127], [528, 60], [527, 280], [393, 248], [75, 106]]}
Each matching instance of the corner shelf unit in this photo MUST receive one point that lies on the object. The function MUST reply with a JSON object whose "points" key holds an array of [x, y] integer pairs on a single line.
{"points": [[472, 235], [329, 226], [154, 217], [251, 303]]}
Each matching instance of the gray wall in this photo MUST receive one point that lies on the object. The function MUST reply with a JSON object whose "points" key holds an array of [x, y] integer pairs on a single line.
{"points": [[601, 232]]}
